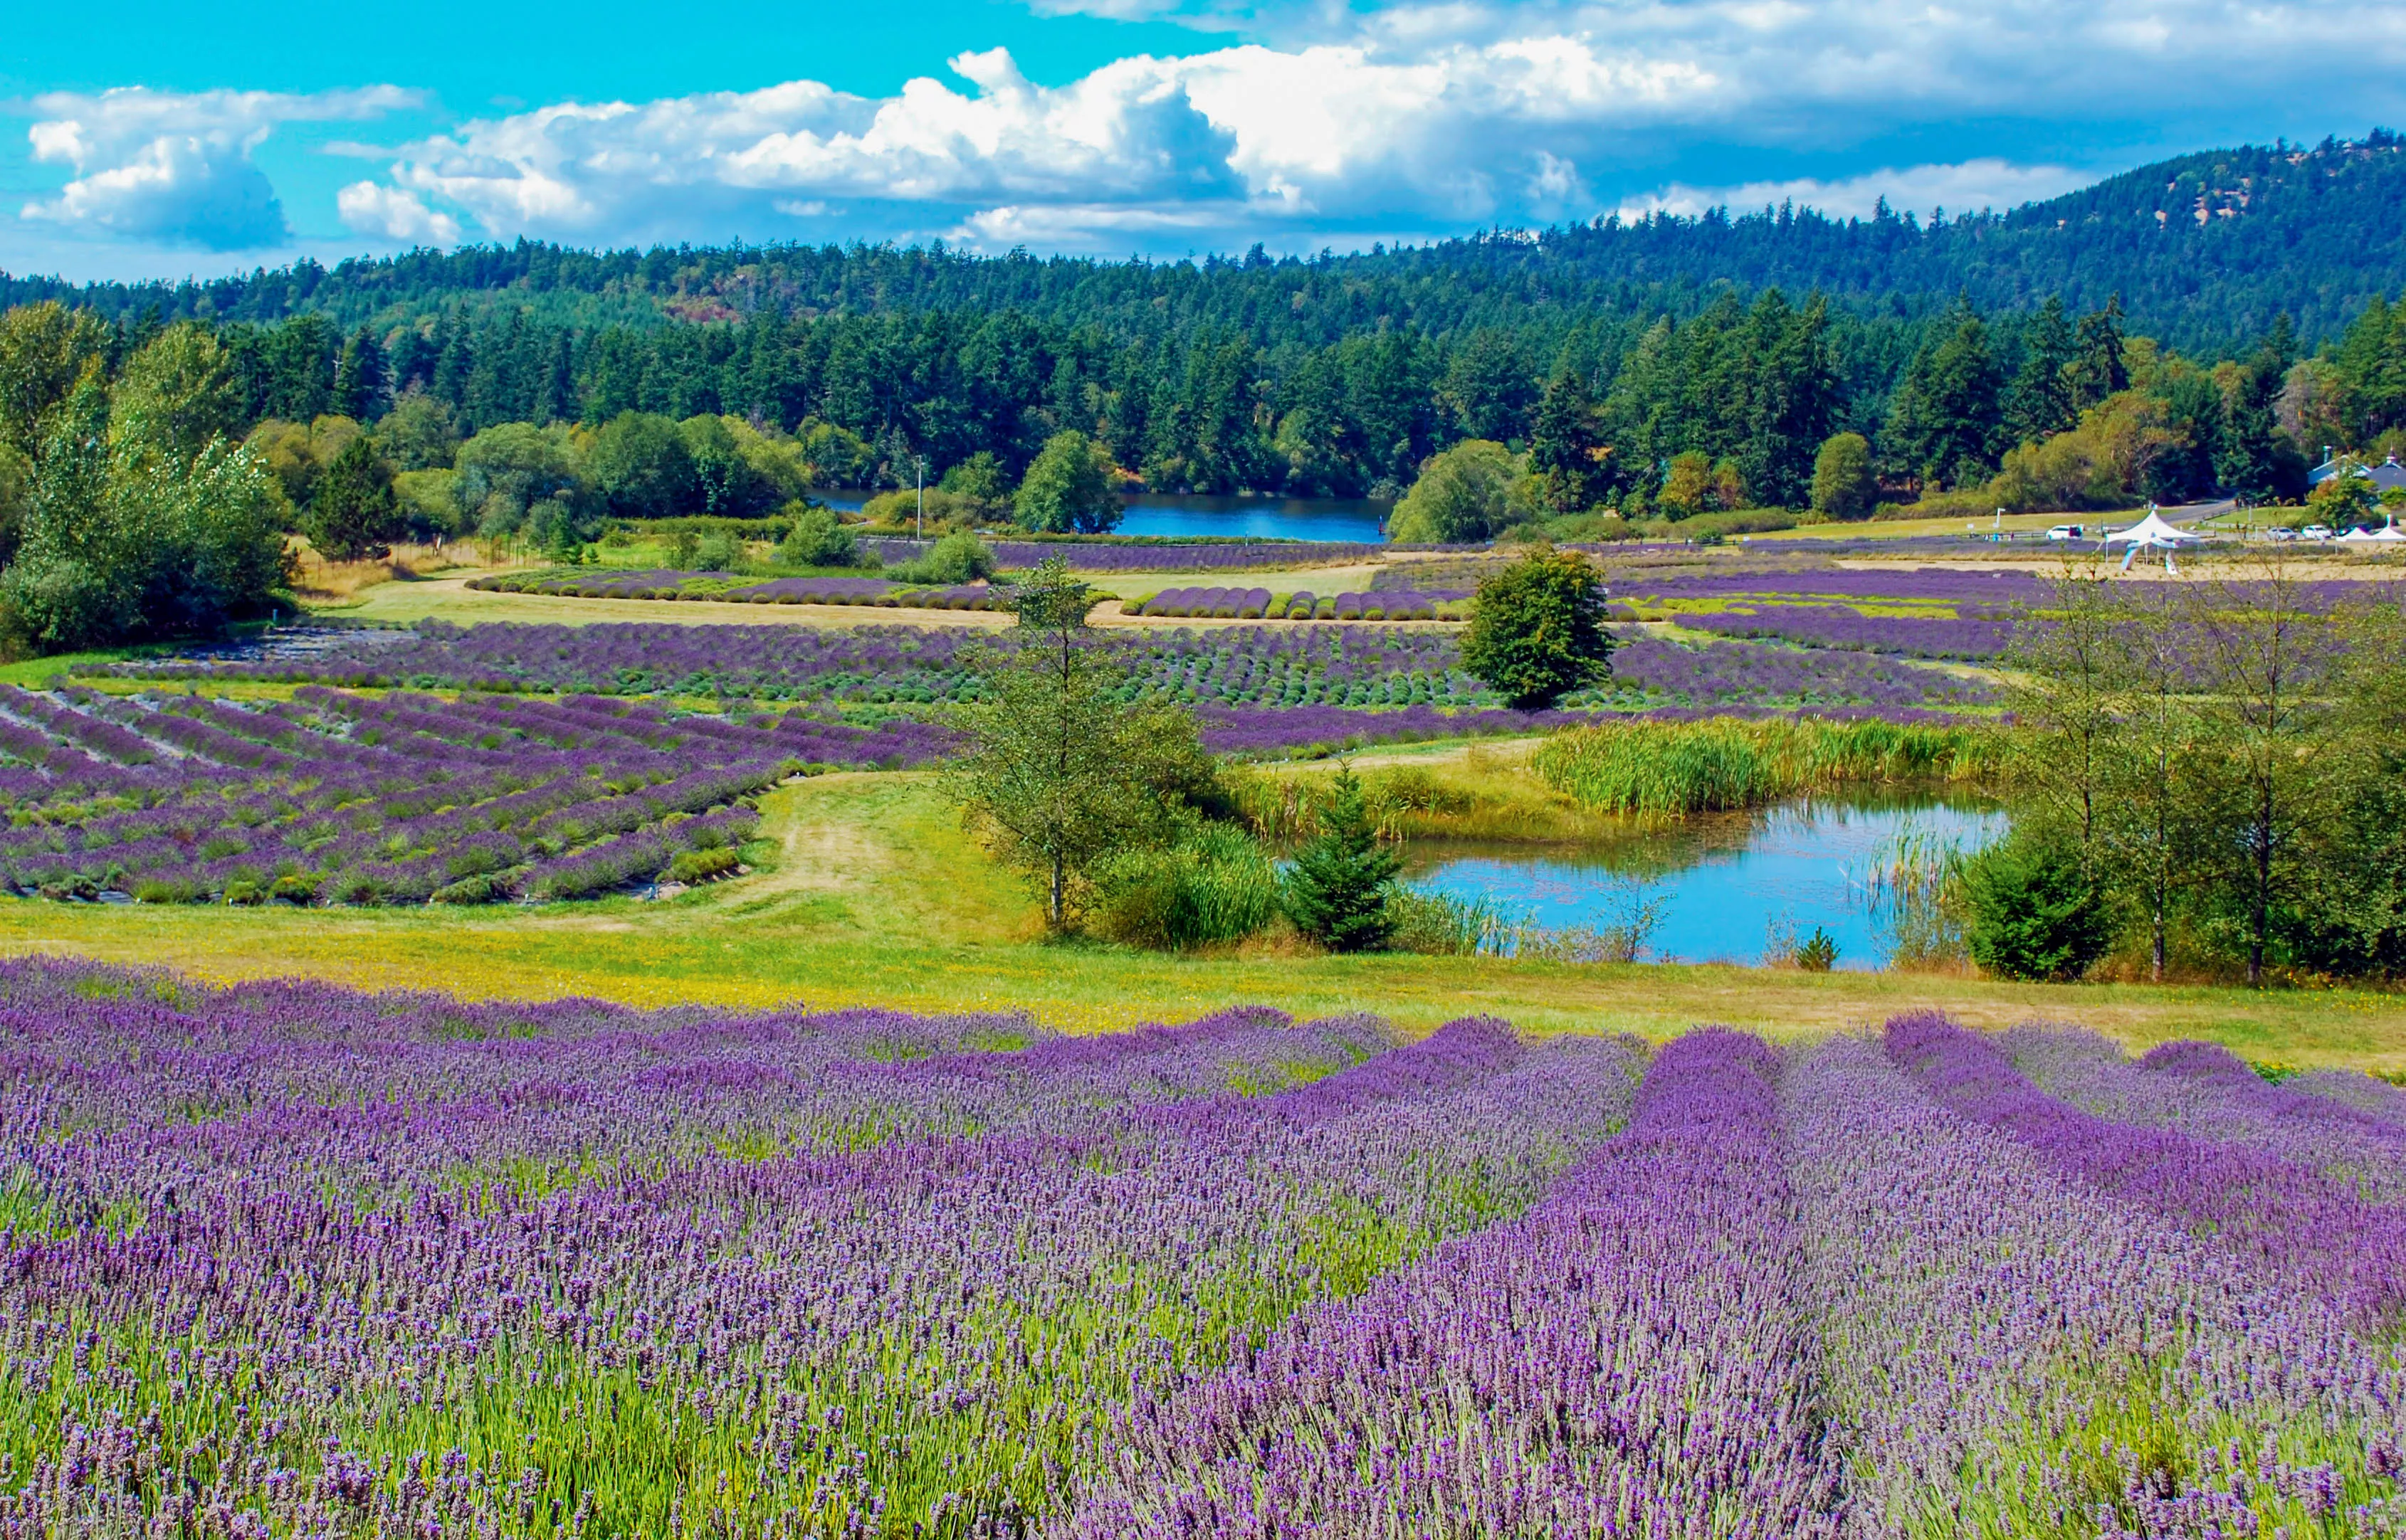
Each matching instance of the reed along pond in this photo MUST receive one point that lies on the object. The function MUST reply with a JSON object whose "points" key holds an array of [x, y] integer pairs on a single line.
{"points": [[1723, 885]]}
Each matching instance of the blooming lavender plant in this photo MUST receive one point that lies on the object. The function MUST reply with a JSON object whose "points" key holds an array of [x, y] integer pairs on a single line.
{"points": [[2205, 1091], [2308, 1229], [880, 1327], [1633, 1356], [2006, 1351]]}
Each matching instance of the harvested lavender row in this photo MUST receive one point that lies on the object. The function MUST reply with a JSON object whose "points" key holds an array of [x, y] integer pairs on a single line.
{"points": [[2311, 1232], [1631, 1357], [2204, 1090], [918, 1333], [2009, 1354], [1835, 625]]}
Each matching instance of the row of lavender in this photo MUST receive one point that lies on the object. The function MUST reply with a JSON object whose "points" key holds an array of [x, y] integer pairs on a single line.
{"points": [[1249, 669], [285, 1261], [1261, 604], [338, 798]]}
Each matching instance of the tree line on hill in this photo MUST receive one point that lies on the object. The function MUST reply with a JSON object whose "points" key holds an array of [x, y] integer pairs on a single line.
{"points": [[2206, 248]]}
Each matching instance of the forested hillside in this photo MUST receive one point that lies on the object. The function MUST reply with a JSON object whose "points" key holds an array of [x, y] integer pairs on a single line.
{"points": [[2205, 250]]}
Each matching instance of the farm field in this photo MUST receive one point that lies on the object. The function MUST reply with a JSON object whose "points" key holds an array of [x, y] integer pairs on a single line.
{"points": [[872, 895], [314, 1262]]}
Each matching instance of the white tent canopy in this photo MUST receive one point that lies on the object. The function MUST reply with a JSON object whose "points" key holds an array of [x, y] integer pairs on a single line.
{"points": [[2150, 534], [2151, 531]]}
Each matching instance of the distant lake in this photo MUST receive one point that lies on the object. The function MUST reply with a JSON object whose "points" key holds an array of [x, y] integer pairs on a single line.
{"points": [[1355, 520]]}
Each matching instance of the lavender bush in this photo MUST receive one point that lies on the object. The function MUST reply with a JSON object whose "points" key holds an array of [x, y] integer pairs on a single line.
{"points": [[882, 1329]]}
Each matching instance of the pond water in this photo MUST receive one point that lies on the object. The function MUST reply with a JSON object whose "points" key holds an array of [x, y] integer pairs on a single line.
{"points": [[1721, 884], [1351, 519]]}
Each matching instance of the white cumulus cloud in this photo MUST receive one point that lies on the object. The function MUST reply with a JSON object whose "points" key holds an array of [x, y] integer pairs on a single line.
{"points": [[392, 214], [175, 166]]}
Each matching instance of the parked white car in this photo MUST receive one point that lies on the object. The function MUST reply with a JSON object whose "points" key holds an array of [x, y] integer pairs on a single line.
{"points": [[2315, 531], [2064, 531]]}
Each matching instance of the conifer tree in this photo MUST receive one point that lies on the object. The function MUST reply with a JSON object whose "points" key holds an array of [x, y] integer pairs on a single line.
{"points": [[1336, 891]]}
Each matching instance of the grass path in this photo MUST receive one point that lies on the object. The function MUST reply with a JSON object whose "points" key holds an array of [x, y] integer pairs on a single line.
{"points": [[875, 898]]}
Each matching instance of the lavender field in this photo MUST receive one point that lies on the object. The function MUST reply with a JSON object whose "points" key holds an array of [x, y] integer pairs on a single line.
{"points": [[1253, 669], [337, 797], [283, 1260]]}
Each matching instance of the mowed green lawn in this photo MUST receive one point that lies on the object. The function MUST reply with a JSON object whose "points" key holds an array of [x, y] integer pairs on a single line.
{"points": [[876, 898]]}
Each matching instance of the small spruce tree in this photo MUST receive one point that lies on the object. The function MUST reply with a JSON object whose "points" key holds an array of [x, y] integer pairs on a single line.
{"points": [[1337, 892]]}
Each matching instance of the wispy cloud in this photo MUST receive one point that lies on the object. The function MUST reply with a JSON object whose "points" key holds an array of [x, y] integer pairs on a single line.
{"points": [[1962, 188]]}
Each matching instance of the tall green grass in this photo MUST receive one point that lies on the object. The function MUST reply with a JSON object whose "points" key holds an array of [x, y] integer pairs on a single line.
{"points": [[1672, 767], [1214, 886]]}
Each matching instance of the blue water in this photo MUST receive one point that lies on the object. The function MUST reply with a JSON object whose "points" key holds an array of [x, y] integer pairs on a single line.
{"points": [[1238, 518], [1724, 882]]}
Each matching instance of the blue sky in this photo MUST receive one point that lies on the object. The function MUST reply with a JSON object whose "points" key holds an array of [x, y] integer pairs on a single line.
{"points": [[150, 139]]}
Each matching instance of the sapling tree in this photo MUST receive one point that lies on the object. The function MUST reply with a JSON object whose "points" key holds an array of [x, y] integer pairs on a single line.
{"points": [[1062, 772], [1337, 890]]}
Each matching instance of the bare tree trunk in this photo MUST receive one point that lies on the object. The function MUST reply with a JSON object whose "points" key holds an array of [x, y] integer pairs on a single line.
{"points": [[1060, 883]]}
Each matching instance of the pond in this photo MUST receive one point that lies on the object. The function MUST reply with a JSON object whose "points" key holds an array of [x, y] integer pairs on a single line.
{"points": [[1722, 885], [1350, 520]]}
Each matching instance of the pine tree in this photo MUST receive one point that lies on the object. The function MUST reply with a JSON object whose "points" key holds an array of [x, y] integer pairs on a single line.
{"points": [[353, 512], [1336, 891], [2097, 368], [1568, 448], [2040, 403]]}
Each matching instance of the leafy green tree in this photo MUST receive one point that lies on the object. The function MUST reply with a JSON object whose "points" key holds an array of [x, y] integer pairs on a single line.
{"points": [[2275, 684], [818, 539], [2346, 498], [2032, 910], [642, 468], [1336, 889], [353, 512], [46, 350], [1538, 631], [1695, 484], [1467, 494], [1845, 485], [179, 393], [419, 433], [125, 539], [1071, 487], [982, 480], [1061, 773], [504, 471]]}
